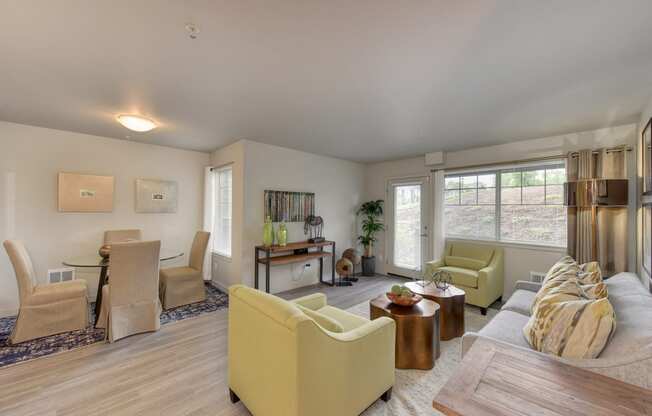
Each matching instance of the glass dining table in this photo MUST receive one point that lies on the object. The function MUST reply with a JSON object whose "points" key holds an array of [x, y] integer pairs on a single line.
{"points": [[95, 261]]}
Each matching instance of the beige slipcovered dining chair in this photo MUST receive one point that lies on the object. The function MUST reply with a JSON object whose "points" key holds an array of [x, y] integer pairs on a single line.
{"points": [[122, 236], [185, 285], [130, 303], [44, 309]]}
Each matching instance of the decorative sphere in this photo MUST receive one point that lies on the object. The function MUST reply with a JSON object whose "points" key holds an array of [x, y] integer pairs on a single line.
{"points": [[344, 267]]}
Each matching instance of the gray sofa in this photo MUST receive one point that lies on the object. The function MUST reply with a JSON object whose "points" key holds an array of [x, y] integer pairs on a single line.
{"points": [[627, 357]]}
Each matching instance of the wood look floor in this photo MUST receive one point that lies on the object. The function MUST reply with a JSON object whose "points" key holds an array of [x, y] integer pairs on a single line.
{"points": [[179, 370]]}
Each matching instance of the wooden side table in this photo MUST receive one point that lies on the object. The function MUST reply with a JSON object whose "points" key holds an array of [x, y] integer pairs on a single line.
{"points": [[451, 302], [417, 331], [296, 252], [495, 378]]}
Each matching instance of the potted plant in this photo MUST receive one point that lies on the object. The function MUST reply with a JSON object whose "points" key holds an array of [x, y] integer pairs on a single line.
{"points": [[371, 212]]}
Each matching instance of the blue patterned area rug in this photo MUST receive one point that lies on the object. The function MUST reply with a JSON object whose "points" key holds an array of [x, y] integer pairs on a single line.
{"points": [[10, 354]]}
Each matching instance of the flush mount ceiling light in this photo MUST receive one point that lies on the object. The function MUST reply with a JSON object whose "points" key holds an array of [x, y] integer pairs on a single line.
{"points": [[136, 123]]}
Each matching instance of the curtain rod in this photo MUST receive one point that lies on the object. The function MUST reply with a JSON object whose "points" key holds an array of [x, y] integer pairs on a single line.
{"points": [[537, 159]]}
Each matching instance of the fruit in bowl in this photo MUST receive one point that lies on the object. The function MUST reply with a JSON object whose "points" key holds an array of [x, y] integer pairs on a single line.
{"points": [[401, 295]]}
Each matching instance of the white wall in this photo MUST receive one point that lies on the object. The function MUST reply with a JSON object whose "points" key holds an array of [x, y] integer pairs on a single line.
{"points": [[228, 271], [28, 203], [338, 186], [518, 260]]}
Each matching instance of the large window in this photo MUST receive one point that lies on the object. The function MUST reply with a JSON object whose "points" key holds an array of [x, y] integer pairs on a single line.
{"points": [[523, 205], [223, 209]]}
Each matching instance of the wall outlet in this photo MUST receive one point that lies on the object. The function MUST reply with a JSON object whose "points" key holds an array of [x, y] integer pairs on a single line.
{"points": [[537, 277]]}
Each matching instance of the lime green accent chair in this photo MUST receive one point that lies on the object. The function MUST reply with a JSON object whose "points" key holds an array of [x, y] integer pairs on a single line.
{"points": [[286, 362], [478, 269]]}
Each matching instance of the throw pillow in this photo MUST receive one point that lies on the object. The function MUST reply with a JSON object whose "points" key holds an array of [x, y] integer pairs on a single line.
{"points": [[552, 284], [571, 329], [596, 291], [563, 266], [322, 320], [591, 267]]}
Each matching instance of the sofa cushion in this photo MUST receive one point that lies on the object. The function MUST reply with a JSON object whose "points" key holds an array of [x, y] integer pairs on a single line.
{"points": [[633, 331], [571, 329], [507, 326], [347, 320], [520, 302], [462, 277], [623, 284], [322, 320], [472, 251], [464, 262]]}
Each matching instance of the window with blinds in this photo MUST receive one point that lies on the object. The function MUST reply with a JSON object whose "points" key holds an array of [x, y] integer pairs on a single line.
{"points": [[223, 210], [516, 204]]}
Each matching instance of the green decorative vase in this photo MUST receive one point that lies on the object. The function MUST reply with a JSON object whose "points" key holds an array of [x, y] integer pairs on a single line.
{"points": [[282, 235], [268, 232]]}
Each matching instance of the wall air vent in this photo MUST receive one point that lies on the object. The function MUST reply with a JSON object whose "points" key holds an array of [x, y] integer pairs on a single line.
{"points": [[537, 277], [61, 275]]}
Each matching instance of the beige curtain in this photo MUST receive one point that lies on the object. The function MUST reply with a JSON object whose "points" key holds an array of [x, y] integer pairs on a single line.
{"points": [[598, 233]]}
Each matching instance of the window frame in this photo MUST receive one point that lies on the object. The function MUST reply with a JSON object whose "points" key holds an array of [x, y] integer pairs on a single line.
{"points": [[217, 218], [497, 172]]}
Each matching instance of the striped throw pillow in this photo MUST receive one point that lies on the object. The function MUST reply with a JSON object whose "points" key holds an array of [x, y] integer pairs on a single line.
{"points": [[579, 328]]}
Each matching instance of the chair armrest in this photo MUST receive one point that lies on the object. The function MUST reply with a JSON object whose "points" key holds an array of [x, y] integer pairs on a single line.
{"points": [[431, 266], [526, 285], [487, 273], [313, 302], [378, 328]]}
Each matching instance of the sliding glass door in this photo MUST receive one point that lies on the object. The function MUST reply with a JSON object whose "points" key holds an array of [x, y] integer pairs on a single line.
{"points": [[408, 226]]}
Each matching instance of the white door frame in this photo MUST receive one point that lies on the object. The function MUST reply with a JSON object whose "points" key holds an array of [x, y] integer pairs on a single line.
{"points": [[426, 206]]}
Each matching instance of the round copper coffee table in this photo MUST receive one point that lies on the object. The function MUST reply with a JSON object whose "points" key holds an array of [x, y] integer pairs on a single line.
{"points": [[451, 302], [417, 331]]}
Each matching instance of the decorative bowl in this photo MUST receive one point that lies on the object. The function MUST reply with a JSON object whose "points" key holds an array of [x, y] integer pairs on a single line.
{"points": [[402, 300], [105, 251]]}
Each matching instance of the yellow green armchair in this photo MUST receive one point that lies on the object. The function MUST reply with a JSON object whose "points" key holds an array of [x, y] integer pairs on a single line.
{"points": [[303, 357], [475, 268]]}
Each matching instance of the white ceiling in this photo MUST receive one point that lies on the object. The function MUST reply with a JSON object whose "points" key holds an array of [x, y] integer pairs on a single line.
{"points": [[362, 80]]}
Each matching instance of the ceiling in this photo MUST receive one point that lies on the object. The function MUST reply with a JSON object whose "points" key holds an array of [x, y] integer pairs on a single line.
{"points": [[362, 80]]}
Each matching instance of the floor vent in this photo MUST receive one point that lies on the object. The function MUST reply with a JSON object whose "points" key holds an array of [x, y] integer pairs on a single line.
{"points": [[61, 275], [537, 277]]}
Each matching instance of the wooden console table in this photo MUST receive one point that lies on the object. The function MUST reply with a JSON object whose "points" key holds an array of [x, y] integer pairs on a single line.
{"points": [[277, 255], [499, 379]]}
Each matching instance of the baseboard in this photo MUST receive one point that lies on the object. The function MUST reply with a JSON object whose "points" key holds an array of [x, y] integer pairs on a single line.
{"points": [[8, 312], [220, 286]]}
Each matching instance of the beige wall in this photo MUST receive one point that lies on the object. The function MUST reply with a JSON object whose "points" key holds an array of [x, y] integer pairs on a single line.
{"points": [[338, 187], [645, 117], [519, 261], [31, 157], [228, 271]]}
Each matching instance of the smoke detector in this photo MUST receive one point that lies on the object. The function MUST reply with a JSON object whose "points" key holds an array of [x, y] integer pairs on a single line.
{"points": [[193, 30]]}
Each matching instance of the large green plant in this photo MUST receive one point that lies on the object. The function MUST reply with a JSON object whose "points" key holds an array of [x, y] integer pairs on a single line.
{"points": [[371, 212]]}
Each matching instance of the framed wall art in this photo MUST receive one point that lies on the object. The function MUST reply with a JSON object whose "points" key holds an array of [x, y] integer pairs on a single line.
{"points": [[289, 206], [156, 196], [85, 193]]}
